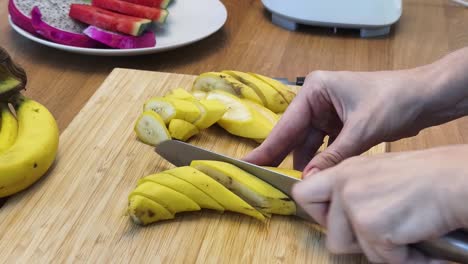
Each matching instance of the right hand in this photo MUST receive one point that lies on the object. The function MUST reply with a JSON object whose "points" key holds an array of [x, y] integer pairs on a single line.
{"points": [[356, 109]]}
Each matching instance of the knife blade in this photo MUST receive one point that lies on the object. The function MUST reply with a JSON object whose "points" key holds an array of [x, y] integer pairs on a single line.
{"points": [[452, 247]]}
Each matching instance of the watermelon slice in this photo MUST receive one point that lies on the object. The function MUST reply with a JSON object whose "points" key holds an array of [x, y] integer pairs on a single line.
{"points": [[155, 14], [151, 3], [109, 20]]}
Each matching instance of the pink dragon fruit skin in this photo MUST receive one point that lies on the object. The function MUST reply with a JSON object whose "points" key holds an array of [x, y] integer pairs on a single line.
{"points": [[50, 20], [119, 41], [19, 18], [59, 36]]}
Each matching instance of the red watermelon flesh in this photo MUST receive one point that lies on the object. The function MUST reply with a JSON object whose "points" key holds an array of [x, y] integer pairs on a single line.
{"points": [[151, 3], [108, 20], [155, 14]]}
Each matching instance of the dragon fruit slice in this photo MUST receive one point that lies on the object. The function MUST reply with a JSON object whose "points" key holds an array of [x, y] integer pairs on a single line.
{"points": [[51, 21], [119, 41]]}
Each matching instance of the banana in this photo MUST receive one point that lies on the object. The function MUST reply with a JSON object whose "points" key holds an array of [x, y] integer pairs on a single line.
{"points": [[169, 108], [145, 211], [240, 119], [192, 192], [199, 95], [271, 98], [288, 172], [215, 190], [34, 150], [211, 81], [267, 113], [150, 128], [172, 200], [180, 93], [281, 88], [8, 128], [261, 195], [181, 129], [211, 112]]}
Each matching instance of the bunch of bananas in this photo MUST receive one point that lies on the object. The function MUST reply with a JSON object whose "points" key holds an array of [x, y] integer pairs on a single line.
{"points": [[28, 132], [245, 104]]}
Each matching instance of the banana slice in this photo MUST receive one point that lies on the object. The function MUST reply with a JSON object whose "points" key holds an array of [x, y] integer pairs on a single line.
{"points": [[211, 81], [144, 211], [267, 113], [272, 99], [180, 93], [256, 192], [150, 128], [169, 108], [287, 93], [288, 172], [215, 190], [198, 94], [181, 129], [192, 192], [211, 112], [8, 128], [240, 119], [172, 200]]}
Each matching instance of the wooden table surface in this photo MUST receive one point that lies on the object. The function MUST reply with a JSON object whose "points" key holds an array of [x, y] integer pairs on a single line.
{"points": [[428, 29]]}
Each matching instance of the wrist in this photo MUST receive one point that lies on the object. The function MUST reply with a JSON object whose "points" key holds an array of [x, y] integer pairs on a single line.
{"points": [[445, 94]]}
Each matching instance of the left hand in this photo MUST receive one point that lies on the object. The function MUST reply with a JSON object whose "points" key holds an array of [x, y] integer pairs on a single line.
{"points": [[378, 205]]}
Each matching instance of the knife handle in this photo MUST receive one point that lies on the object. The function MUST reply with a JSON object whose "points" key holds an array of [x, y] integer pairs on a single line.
{"points": [[452, 247], [300, 81]]}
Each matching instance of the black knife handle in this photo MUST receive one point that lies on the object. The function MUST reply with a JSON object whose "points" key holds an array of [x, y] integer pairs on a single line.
{"points": [[300, 81], [452, 247]]}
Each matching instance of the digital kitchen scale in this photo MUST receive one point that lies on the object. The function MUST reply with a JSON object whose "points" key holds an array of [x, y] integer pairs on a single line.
{"points": [[373, 17]]}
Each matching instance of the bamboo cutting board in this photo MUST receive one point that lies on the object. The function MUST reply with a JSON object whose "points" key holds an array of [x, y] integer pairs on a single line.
{"points": [[77, 212]]}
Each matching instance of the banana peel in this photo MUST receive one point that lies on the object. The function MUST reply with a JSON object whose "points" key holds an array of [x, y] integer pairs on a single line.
{"points": [[240, 119], [192, 192], [173, 201], [182, 130], [150, 128], [288, 172], [170, 108], [8, 128], [211, 112], [261, 195], [211, 81], [287, 93], [144, 211], [271, 98], [215, 190], [180, 93]]}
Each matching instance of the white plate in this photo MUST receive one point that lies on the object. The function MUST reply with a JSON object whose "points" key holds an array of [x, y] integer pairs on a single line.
{"points": [[188, 21]]}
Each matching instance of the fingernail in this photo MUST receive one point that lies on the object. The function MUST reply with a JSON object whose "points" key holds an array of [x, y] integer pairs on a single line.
{"points": [[310, 173]]}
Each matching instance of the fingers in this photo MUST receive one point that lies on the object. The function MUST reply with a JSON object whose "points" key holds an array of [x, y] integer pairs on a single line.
{"points": [[285, 136], [304, 152], [346, 144]]}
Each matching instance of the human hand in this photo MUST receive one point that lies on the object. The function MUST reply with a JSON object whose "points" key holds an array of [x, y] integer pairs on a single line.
{"points": [[358, 110], [379, 204]]}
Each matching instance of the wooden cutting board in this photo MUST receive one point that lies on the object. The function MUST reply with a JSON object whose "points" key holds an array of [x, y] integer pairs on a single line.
{"points": [[77, 212]]}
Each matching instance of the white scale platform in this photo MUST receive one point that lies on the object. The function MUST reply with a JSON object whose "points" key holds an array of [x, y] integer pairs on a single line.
{"points": [[373, 17]]}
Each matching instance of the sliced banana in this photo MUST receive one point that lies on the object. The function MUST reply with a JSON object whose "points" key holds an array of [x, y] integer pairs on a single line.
{"points": [[169, 108], [150, 128], [198, 94], [211, 112], [144, 211], [182, 130], [240, 119], [212, 81], [256, 192], [285, 91], [180, 93], [271, 98]]}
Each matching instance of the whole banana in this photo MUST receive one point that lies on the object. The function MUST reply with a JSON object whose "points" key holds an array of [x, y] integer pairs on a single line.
{"points": [[34, 150], [8, 128]]}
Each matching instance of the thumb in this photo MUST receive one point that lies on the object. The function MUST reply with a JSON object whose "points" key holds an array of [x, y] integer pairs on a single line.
{"points": [[347, 144]]}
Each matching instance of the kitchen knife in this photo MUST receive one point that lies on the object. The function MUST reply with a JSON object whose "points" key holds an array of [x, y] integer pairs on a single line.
{"points": [[452, 247], [299, 81]]}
